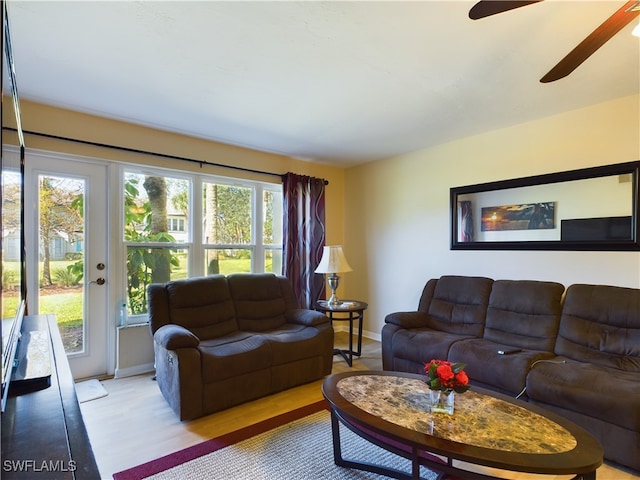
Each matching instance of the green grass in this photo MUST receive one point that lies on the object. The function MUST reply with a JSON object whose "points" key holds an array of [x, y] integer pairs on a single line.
{"points": [[66, 306], [233, 265], [9, 306]]}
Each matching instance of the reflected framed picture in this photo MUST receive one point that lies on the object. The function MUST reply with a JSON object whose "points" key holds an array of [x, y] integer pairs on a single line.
{"points": [[527, 216]]}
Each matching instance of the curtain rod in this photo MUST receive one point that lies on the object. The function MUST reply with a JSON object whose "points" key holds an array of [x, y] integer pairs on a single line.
{"points": [[145, 152]]}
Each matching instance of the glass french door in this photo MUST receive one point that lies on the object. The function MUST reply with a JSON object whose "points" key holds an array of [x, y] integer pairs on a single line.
{"points": [[66, 205]]}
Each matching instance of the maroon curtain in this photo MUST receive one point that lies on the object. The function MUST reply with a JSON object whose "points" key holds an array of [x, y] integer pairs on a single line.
{"points": [[304, 236]]}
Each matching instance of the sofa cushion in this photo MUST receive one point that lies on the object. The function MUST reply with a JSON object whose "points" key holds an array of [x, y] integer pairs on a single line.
{"points": [[459, 305], [427, 295], [592, 390], [202, 305], [419, 345], [260, 305], [233, 355], [485, 366], [600, 324], [292, 342], [524, 313]]}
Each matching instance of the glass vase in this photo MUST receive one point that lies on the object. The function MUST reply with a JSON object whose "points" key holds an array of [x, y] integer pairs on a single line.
{"points": [[442, 401]]}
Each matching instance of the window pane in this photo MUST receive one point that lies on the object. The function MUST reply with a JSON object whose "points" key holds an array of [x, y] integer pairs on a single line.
{"points": [[151, 265], [226, 261], [10, 253], [61, 230], [227, 214], [273, 261], [272, 226], [156, 208]]}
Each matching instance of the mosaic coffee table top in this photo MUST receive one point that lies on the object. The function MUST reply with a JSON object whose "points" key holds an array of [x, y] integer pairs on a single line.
{"points": [[479, 420]]}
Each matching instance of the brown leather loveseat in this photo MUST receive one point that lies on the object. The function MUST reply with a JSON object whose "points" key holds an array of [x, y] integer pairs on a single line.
{"points": [[221, 341], [574, 352]]}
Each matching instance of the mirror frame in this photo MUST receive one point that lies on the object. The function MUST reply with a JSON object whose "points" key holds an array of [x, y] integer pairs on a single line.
{"points": [[631, 244]]}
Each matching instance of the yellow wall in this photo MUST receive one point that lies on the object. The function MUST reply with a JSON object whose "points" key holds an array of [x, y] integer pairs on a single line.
{"points": [[397, 210]]}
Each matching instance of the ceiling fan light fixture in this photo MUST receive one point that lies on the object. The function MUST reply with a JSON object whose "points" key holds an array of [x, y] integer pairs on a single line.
{"points": [[636, 31]]}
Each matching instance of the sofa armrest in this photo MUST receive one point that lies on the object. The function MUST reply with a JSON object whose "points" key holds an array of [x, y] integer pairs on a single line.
{"points": [[307, 317], [172, 337], [408, 319]]}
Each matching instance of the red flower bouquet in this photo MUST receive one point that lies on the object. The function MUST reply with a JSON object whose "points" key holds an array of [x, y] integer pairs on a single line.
{"points": [[446, 376]]}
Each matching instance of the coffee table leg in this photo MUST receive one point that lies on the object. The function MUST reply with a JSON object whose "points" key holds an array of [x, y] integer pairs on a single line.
{"points": [[415, 464], [364, 466], [443, 471], [335, 434]]}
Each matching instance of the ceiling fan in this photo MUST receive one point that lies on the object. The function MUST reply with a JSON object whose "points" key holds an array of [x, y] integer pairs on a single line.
{"points": [[596, 39]]}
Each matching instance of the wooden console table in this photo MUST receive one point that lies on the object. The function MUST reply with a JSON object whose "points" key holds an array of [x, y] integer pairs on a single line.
{"points": [[43, 433]]}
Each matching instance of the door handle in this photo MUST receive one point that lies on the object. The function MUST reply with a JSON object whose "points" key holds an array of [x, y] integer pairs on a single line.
{"points": [[98, 281]]}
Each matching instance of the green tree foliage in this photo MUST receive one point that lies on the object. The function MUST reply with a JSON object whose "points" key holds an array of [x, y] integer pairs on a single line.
{"points": [[146, 222], [233, 215], [60, 212], [268, 237], [75, 271]]}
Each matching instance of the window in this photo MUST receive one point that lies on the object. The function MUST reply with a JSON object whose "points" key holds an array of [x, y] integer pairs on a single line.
{"points": [[227, 227], [176, 224], [154, 255], [241, 234], [165, 241]]}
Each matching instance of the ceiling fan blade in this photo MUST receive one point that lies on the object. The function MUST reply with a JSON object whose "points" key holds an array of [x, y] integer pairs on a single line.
{"points": [[486, 8], [594, 41]]}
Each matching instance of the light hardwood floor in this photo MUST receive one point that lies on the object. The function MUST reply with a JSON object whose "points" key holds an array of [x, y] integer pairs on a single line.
{"points": [[133, 424]]}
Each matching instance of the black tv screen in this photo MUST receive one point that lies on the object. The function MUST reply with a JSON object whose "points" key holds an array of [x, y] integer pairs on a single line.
{"points": [[10, 337], [594, 229]]}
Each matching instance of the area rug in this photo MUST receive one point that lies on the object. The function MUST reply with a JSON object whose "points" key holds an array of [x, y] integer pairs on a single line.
{"points": [[293, 445], [90, 390]]}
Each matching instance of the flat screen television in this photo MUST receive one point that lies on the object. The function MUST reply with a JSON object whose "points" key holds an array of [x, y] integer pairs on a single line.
{"points": [[11, 328], [596, 229], [13, 292]]}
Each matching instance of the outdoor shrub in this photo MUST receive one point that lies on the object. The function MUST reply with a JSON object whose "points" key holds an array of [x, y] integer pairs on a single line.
{"points": [[65, 278]]}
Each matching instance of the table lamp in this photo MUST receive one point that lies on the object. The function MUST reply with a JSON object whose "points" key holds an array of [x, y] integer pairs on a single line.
{"points": [[333, 262]]}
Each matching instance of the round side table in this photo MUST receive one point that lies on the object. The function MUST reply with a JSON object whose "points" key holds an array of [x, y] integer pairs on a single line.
{"points": [[354, 311]]}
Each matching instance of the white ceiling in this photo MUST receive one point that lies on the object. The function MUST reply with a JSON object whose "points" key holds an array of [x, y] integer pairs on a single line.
{"points": [[339, 82]]}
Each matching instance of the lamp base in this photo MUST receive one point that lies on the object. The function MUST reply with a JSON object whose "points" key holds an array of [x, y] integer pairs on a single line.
{"points": [[334, 301], [334, 283]]}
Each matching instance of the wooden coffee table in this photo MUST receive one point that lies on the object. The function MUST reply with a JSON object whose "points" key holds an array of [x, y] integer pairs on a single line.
{"points": [[390, 409]]}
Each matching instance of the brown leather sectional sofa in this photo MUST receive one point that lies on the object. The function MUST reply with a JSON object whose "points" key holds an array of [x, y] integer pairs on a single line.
{"points": [[221, 341], [575, 352]]}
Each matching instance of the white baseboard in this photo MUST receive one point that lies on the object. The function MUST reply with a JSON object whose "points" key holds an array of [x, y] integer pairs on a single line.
{"points": [[372, 335], [136, 370], [366, 334]]}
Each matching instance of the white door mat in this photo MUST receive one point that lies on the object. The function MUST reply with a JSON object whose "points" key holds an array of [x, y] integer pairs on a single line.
{"points": [[90, 390]]}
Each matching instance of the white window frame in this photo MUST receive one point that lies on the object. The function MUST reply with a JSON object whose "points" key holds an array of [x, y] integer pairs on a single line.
{"points": [[196, 247]]}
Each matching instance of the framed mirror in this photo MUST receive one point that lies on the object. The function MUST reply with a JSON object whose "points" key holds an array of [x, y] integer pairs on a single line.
{"points": [[588, 209]]}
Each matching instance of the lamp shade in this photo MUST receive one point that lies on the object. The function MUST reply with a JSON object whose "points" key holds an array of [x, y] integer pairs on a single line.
{"points": [[333, 260]]}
